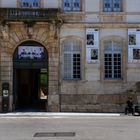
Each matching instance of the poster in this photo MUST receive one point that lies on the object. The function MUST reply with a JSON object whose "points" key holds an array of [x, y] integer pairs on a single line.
{"points": [[133, 45], [92, 45]]}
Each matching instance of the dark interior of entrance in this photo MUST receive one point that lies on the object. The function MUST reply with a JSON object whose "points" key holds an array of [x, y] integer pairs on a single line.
{"points": [[30, 92], [30, 77]]}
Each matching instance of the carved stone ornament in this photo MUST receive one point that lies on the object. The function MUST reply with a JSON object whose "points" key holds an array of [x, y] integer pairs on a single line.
{"points": [[4, 31], [30, 31]]}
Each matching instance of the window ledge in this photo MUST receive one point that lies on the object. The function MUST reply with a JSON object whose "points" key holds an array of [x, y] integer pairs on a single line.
{"points": [[112, 80], [71, 79], [112, 13], [72, 12]]}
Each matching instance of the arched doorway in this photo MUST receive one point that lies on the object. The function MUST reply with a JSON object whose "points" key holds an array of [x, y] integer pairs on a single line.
{"points": [[30, 77]]}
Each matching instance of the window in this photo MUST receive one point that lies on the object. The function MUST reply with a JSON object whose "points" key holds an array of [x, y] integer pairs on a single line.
{"points": [[71, 5], [71, 59], [112, 61], [30, 3], [112, 5]]}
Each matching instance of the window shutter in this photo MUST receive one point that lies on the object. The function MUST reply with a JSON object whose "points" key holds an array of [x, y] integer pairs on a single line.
{"points": [[67, 66]]}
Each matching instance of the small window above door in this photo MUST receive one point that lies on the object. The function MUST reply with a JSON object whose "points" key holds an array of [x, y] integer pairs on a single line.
{"points": [[30, 3]]}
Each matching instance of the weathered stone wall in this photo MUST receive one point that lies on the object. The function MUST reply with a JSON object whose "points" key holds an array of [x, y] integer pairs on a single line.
{"points": [[92, 93], [97, 97], [43, 33]]}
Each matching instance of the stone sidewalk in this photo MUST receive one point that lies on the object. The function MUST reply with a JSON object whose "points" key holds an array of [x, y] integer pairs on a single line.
{"points": [[58, 114]]}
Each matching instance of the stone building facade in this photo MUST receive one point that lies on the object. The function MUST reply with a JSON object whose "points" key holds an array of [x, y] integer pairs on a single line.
{"points": [[91, 49]]}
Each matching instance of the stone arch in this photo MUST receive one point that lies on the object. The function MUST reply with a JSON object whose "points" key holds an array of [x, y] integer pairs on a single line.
{"points": [[28, 40], [122, 43]]}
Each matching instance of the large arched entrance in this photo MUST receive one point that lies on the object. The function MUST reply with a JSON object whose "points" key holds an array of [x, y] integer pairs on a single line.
{"points": [[30, 77]]}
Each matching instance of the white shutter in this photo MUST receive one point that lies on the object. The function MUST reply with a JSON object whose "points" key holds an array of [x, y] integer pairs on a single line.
{"points": [[67, 65]]}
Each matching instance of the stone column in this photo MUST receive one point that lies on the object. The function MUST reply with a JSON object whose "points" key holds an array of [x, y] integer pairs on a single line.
{"points": [[53, 97]]}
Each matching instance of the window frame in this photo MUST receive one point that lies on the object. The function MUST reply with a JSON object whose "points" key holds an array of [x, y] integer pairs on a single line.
{"points": [[71, 52], [30, 3], [112, 51], [112, 7], [71, 6]]}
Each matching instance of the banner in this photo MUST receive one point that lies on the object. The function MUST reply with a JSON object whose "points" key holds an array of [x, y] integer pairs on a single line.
{"points": [[133, 45], [30, 52]]}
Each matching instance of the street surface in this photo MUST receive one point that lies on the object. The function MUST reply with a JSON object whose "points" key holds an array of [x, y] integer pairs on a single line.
{"points": [[85, 128]]}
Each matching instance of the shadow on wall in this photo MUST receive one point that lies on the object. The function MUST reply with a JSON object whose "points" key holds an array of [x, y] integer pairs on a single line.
{"points": [[134, 92]]}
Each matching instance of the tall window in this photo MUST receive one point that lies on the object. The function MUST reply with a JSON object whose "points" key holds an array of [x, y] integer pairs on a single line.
{"points": [[30, 3], [112, 5], [112, 61], [71, 5], [71, 59]]}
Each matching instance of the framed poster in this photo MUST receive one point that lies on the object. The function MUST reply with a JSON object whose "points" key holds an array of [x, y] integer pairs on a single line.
{"points": [[94, 54]]}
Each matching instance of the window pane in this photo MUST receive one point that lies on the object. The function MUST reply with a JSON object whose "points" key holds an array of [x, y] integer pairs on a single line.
{"points": [[107, 5], [108, 65], [117, 66], [112, 64], [76, 5], [35, 3], [67, 5], [76, 66], [30, 3], [116, 5], [24, 3]]}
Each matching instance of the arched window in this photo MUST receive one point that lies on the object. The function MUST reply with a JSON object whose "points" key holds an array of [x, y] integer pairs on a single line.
{"points": [[30, 3], [71, 51], [112, 60]]}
